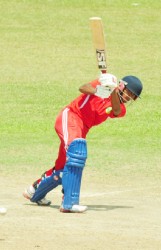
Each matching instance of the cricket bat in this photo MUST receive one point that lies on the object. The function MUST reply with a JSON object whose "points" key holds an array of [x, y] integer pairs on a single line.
{"points": [[99, 42]]}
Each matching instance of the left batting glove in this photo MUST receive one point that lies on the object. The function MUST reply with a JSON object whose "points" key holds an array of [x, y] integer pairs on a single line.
{"points": [[103, 91], [108, 80]]}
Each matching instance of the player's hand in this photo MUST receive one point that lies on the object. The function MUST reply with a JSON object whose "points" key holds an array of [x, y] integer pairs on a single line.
{"points": [[103, 91], [109, 80]]}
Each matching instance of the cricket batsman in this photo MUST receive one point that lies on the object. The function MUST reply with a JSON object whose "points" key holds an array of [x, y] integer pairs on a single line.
{"points": [[99, 100]]}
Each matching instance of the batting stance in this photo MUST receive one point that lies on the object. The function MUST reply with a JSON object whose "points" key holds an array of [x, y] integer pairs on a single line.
{"points": [[101, 99]]}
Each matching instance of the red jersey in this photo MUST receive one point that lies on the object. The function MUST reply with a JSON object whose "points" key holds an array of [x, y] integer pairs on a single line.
{"points": [[94, 110]]}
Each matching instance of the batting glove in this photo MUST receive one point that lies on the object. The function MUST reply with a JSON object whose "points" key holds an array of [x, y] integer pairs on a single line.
{"points": [[103, 91], [121, 85], [108, 80]]}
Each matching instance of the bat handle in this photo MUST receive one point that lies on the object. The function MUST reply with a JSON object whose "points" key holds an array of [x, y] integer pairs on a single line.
{"points": [[104, 71]]}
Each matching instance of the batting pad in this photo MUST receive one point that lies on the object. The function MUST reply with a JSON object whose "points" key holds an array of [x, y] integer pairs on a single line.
{"points": [[46, 185], [72, 174]]}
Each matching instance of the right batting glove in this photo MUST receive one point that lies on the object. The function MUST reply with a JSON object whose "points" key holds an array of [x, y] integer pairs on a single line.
{"points": [[109, 80]]}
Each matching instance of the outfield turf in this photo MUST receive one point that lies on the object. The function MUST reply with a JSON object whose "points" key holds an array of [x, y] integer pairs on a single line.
{"points": [[46, 53]]}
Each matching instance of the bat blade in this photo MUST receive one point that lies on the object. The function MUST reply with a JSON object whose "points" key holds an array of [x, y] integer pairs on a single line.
{"points": [[99, 42]]}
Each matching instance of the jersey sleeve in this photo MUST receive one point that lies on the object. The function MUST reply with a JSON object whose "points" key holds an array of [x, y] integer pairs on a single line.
{"points": [[123, 112], [94, 83]]}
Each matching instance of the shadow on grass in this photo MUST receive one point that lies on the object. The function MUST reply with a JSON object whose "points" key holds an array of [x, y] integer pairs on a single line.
{"points": [[35, 204], [98, 207], [106, 207], [90, 207]]}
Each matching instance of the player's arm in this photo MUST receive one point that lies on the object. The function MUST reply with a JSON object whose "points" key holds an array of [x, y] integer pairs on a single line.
{"points": [[115, 101], [94, 88], [87, 89]]}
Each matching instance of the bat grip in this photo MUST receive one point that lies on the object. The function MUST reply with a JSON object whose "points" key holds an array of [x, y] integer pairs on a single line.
{"points": [[104, 71]]}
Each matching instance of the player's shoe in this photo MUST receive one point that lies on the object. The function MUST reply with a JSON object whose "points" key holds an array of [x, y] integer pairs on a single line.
{"points": [[28, 194], [44, 202], [74, 209]]}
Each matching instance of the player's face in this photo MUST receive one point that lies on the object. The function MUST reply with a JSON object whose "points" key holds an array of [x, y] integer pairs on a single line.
{"points": [[127, 96]]}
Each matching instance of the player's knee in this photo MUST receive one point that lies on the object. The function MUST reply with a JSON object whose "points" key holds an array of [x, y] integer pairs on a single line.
{"points": [[77, 153]]}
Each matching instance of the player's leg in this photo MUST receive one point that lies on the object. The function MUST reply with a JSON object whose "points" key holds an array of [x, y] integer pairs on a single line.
{"points": [[44, 175], [30, 191], [73, 128], [68, 126], [46, 185], [51, 178], [48, 181], [72, 175]]}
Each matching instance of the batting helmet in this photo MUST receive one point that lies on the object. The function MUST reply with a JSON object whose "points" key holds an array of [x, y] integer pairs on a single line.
{"points": [[133, 84]]}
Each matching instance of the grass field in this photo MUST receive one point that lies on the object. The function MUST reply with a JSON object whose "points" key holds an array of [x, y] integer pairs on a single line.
{"points": [[46, 53]]}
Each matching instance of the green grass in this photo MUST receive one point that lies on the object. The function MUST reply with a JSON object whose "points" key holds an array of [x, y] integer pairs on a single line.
{"points": [[47, 53]]}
